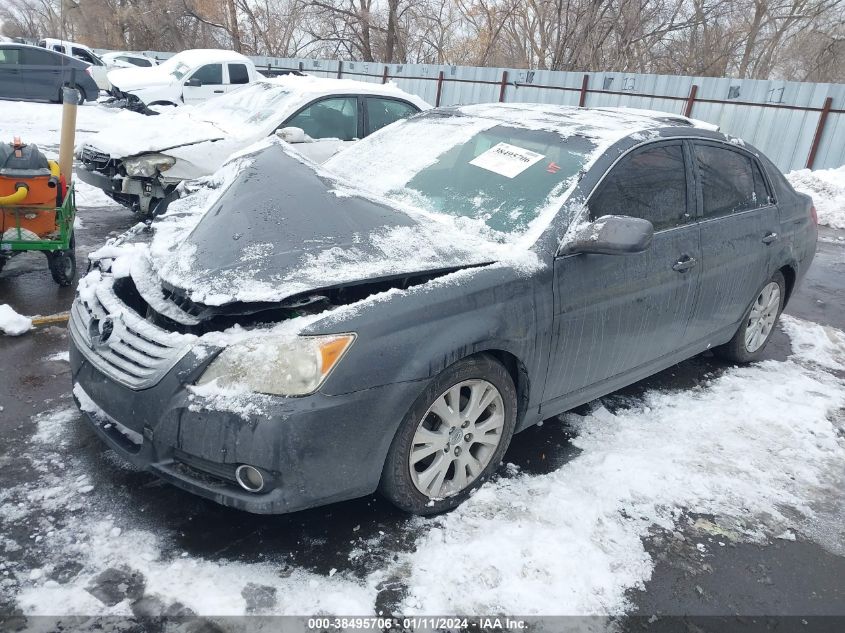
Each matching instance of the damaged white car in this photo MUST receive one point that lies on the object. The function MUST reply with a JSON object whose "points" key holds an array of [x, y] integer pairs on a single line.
{"points": [[319, 115]]}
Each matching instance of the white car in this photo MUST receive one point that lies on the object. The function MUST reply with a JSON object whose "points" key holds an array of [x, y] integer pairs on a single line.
{"points": [[98, 69], [189, 77], [141, 159], [124, 59]]}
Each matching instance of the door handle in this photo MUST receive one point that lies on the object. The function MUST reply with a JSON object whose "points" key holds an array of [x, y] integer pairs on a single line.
{"points": [[769, 238], [684, 264], [218, 92]]}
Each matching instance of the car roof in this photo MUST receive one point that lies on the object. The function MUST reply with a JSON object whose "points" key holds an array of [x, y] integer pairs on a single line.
{"points": [[602, 124], [309, 85], [208, 55]]}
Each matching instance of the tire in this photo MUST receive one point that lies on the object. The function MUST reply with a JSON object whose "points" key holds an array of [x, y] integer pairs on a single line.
{"points": [[62, 264], [453, 439], [745, 347]]}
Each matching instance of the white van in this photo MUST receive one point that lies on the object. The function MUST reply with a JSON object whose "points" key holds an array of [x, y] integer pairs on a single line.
{"points": [[81, 52]]}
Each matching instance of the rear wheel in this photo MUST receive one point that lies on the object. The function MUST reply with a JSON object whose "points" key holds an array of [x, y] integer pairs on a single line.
{"points": [[452, 439], [62, 264], [756, 328]]}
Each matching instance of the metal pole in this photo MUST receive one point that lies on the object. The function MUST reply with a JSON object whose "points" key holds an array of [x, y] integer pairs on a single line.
{"points": [[691, 99], [503, 86], [384, 77], [439, 89], [817, 139], [340, 69], [583, 98]]}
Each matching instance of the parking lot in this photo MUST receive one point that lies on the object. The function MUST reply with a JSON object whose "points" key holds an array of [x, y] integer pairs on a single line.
{"points": [[707, 489]]}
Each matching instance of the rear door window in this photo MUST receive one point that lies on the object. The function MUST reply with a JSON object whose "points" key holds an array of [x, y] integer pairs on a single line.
{"points": [[238, 74], [210, 74], [650, 184], [38, 57], [336, 117], [382, 112], [731, 182]]}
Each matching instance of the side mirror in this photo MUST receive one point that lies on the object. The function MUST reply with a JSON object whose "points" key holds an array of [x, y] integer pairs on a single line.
{"points": [[194, 82], [293, 135], [611, 235]]}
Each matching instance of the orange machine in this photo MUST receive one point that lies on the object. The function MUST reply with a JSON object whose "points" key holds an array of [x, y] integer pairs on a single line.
{"points": [[30, 190]]}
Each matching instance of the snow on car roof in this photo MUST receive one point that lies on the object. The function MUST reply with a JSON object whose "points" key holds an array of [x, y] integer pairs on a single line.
{"points": [[602, 124], [206, 55], [309, 84]]}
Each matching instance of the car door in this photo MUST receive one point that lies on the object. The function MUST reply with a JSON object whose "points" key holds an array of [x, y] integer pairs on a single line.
{"points": [[11, 82], [380, 112], [204, 83], [41, 71], [614, 314], [331, 121], [739, 225]]}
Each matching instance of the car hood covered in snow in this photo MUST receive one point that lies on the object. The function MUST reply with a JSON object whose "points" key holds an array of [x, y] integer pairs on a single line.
{"points": [[275, 228], [171, 129], [129, 79]]}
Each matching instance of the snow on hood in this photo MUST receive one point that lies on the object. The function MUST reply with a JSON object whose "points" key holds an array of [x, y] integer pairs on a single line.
{"points": [[137, 78], [129, 133], [252, 239]]}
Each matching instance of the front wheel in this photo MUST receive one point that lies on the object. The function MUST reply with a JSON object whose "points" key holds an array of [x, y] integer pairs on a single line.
{"points": [[452, 439], [62, 264], [756, 328]]}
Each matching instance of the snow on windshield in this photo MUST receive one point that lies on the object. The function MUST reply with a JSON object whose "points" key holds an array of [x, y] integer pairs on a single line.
{"points": [[248, 107], [510, 167]]}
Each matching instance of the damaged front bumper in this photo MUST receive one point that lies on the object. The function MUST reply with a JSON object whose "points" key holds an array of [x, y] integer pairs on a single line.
{"points": [[312, 450]]}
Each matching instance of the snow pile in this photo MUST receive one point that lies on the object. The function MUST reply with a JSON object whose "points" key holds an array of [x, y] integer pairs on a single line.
{"points": [[827, 187], [571, 542], [12, 323]]}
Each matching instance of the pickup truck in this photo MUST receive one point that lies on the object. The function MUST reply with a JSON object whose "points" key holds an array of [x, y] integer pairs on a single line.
{"points": [[189, 77]]}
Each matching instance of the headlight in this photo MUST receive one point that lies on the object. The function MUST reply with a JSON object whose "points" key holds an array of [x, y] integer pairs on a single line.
{"points": [[147, 165], [282, 367]]}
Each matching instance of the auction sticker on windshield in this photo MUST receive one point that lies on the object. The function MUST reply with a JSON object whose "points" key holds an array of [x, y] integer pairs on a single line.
{"points": [[506, 160]]}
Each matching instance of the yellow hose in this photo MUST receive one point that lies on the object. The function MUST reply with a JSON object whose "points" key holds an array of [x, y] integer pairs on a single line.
{"points": [[21, 192]]}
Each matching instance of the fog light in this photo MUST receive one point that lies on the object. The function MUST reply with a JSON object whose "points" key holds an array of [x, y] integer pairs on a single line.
{"points": [[249, 478]]}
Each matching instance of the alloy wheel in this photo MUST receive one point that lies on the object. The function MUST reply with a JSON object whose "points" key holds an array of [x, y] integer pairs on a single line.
{"points": [[761, 319], [456, 438]]}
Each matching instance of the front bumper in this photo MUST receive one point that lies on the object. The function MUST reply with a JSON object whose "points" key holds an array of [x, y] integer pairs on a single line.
{"points": [[133, 192], [313, 450]]}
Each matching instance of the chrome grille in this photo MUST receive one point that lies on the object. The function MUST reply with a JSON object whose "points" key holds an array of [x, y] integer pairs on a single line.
{"points": [[121, 344]]}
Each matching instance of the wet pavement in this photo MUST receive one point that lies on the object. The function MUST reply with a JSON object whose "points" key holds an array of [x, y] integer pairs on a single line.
{"points": [[789, 577]]}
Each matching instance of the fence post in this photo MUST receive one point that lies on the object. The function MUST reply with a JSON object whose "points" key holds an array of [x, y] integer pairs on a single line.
{"points": [[384, 77], [439, 89], [691, 99], [503, 86], [301, 67], [340, 69], [817, 139], [583, 98]]}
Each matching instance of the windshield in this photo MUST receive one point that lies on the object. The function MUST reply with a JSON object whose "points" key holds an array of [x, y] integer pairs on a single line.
{"points": [[505, 176], [179, 70], [246, 109]]}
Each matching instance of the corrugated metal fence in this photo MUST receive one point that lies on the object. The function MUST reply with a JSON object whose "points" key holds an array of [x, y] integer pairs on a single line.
{"points": [[796, 124]]}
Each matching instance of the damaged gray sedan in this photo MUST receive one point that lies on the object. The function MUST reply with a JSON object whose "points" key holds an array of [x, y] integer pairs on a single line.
{"points": [[388, 321]]}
